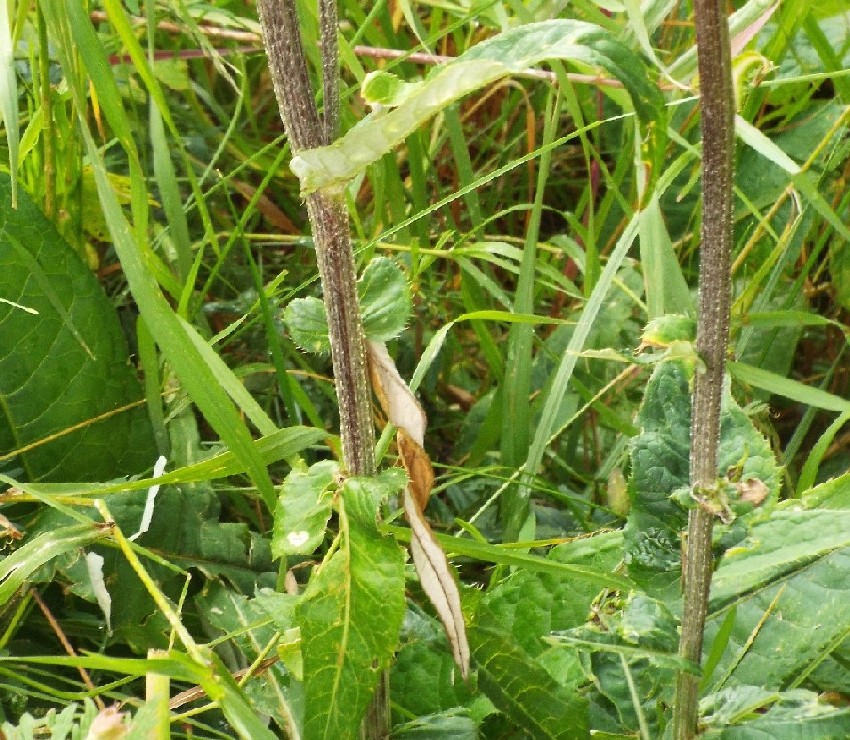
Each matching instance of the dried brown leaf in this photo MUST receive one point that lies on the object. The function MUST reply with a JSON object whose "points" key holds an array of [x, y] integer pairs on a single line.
{"points": [[437, 581]]}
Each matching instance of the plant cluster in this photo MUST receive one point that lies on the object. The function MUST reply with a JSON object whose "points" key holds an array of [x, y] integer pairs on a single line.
{"points": [[415, 373]]}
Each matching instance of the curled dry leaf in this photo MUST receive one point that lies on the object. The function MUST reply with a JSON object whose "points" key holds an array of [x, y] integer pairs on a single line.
{"points": [[437, 581], [435, 574]]}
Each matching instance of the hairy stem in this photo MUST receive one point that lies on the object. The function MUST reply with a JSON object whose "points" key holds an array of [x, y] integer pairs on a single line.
{"points": [[718, 131], [334, 254]]}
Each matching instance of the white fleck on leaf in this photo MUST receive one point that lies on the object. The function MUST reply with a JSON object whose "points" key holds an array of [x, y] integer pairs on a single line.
{"points": [[296, 539], [94, 565], [435, 574], [147, 514]]}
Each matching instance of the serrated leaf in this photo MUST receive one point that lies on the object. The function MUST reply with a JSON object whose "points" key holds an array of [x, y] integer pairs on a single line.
{"points": [[524, 691], [350, 617], [303, 510], [64, 360], [384, 296], [308, 324], [508, 53]]}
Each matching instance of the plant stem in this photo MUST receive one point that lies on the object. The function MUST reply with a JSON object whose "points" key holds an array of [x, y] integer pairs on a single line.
{"points": [[334, 254], [718, 132]]}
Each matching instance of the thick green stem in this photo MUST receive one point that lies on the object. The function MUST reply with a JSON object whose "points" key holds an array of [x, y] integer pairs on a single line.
{"points": [[334, 253], [718, 137]]}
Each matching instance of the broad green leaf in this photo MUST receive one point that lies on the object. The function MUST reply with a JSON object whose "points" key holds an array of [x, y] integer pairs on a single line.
{"points": [[445, 726], [791, 596], [777, 547], [660, 468], [384, 300], [512, 52], [17, 568], [303, 510], [424, 678], [529, 605], [350, 616], [253, 629], [523, 690], [65, 375]]}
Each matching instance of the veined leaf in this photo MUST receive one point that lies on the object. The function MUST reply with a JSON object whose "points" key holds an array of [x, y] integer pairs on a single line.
{"points": [[303, 509], [350, 616], [524, 691], [660, 467], [792, 599], [512, 52], [66, 382]]}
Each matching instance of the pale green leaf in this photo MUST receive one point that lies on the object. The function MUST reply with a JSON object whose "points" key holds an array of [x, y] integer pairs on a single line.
{"points": [[512, 52], [307, 322]]}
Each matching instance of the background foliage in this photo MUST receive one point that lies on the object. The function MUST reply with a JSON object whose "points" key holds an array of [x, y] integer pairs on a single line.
{"points": [[519, 232]]}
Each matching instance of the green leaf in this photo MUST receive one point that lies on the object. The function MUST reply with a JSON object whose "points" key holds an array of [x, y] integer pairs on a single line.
{"points": [[445, 726], [252, 628], [523, 690], [385, 306], [660, 468], [350, 617], [64, 361], [753, 713], [512, 52], [791, 596], [787, 387], [303, 510], [308, 324], [385, 303]]}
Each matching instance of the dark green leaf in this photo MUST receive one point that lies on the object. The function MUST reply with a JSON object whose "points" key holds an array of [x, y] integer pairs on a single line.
{"points": [[523, 690], [64, 360]]}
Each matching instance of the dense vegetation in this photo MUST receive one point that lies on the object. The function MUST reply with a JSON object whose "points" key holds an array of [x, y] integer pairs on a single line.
{"points": [[187, 536]]}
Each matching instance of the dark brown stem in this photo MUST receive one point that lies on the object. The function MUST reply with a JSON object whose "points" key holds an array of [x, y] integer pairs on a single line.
{"points": [[330, 68], [334, 253], [718, 132]]}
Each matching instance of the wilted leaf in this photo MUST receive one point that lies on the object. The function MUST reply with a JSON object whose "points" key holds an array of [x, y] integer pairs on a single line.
{"points": [[435, 575], [509, 53], [437, 581]]}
